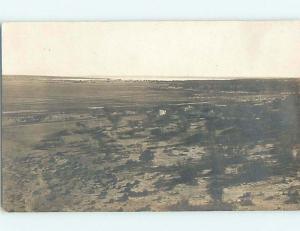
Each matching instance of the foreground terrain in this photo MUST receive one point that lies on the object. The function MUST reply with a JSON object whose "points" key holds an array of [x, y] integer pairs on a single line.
{"points": [[113, 145]]}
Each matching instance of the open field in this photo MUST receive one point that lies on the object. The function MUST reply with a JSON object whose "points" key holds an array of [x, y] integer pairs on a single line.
{"points": [[113, 145]]}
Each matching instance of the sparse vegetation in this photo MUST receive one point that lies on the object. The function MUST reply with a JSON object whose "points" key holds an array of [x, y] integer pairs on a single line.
{"points": [[139, 146]]}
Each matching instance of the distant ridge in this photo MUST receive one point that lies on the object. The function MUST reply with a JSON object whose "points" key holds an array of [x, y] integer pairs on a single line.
{"points": [[149, 78]]}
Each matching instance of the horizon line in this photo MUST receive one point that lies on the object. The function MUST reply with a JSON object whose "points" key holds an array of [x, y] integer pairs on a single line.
{"points": [[153, 78]]}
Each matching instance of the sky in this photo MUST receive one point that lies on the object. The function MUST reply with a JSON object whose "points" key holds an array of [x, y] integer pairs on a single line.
{"points": [[153, 50]]}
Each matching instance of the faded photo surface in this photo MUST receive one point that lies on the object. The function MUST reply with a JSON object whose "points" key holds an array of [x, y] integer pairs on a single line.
{"points": [[151, 116]]}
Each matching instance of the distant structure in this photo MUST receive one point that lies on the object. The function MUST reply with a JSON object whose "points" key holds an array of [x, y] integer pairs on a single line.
{"points": [[188, 108], [162, 112]]}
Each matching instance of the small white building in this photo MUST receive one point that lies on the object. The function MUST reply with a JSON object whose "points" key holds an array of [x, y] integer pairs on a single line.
{"points": [[162, 112], [188, 108]]}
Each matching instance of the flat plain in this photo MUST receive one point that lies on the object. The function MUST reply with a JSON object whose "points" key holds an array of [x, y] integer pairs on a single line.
{"points": [[115, 145]]}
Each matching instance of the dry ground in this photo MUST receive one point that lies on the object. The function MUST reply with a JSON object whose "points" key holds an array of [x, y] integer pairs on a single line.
{"points": [[102, 145]]}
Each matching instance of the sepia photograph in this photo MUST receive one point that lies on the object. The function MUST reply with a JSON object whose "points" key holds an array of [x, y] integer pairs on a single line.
{"points": [[151, 116]]}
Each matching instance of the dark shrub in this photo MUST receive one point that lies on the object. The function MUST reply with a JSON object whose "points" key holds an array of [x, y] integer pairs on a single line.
{"points": [[146, 156], [188, 174]]}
